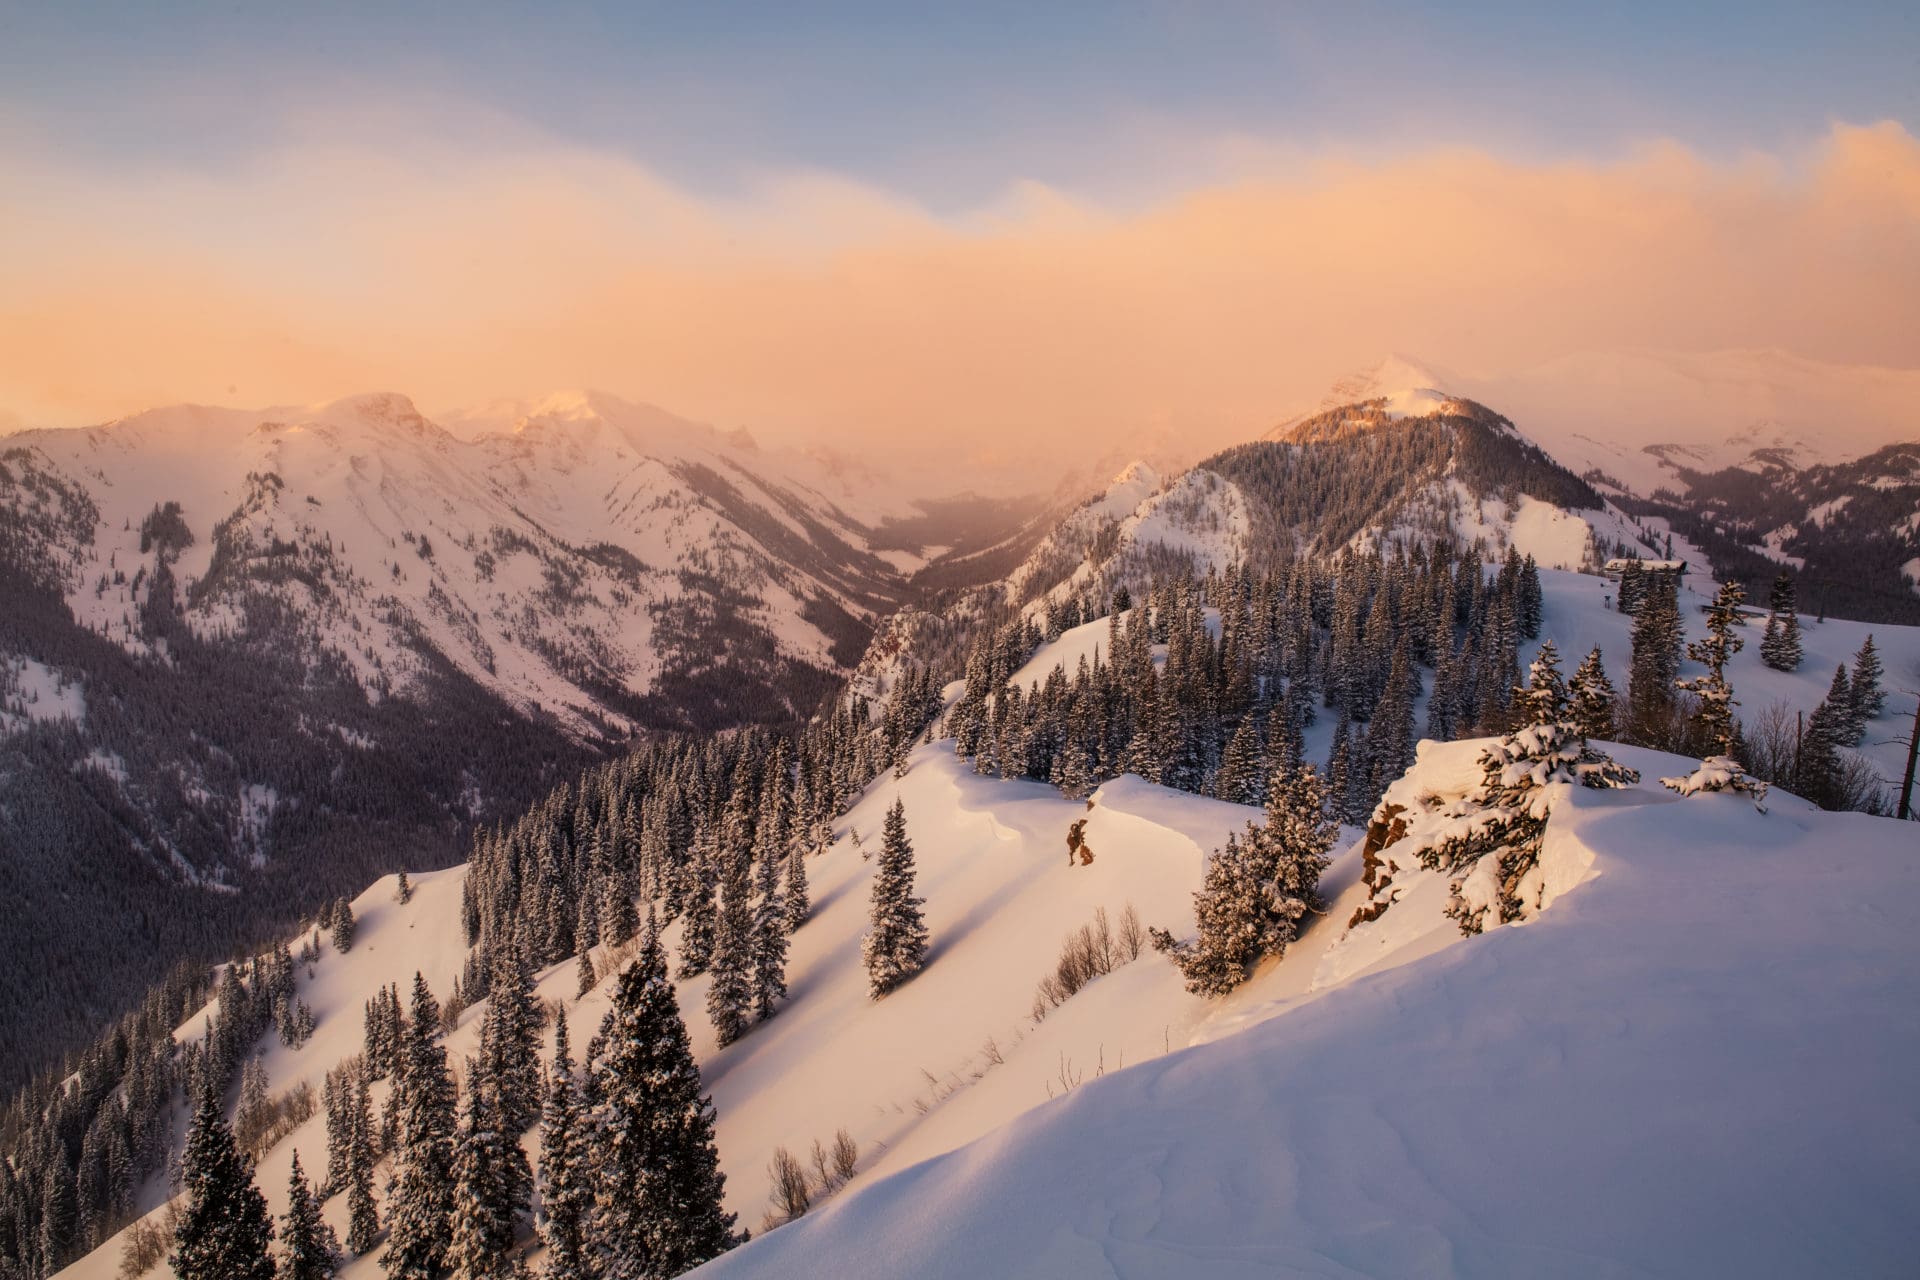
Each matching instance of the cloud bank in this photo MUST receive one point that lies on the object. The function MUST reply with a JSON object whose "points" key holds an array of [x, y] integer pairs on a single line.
{"points": [[812, 307]]}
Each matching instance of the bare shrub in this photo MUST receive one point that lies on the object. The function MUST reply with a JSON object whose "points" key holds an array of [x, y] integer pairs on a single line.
{"points": [[846, 1156], [823, 1177], [1091, 951], [1767, 744], [1133, 935], [149, 1240], [1858, 788], [1769, 750], [789, 1190], [266, 1126]]}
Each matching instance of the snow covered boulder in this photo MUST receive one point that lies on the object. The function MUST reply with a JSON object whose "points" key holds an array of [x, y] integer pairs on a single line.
{"points": [[1477, 813]]}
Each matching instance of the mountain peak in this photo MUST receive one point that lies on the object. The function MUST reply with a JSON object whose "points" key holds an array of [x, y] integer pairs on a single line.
{"points": [[1410, 388], [1396, 376], [380, 407]]}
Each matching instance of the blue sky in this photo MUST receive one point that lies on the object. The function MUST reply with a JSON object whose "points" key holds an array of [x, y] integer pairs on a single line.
{"points": [[948, 104]]}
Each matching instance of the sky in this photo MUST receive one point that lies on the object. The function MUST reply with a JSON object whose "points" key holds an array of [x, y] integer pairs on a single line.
{"points": [[1037, 225]]}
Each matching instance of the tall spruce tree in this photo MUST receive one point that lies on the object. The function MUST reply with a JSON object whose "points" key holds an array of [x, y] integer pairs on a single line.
{"points": [[1591, 698], [1817, 769], [797, 902], [1780, 645], [1530, 604], [895, 946], [1239, 778], [566, 1195], [492, 1184], [769, 930], [420, 1192], [308, 1250], [60, 1213], [1656, 660], [1867, 698], [658, 1188], [1713, 721], [1543, 700], [510, 1041], [363, 1219], [1390, 733], [224, 1232], [700, 908], [343, 926], [730, 995]]}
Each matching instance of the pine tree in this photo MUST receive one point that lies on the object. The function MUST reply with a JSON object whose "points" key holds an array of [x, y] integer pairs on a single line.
{"points": [[1867, 697], [308, 1250], [1780, 646], [343, 926], [700, 912], [895, 946], [1530, 605], [1239, 778], [1390, 733], [402, 889], [363, 1220], [1543, 700], [769, 933], [730, 996], [60, 1213], [1591, 698], [798, 905], [658, 1188], [492, 1184], [1713, 721], [1656, 659], [337, 1104], [1817, 769], [1633, 587], [420, 1193], [510, 1041], [1258, 888], [224, 1232], [586, 977], [566, 1198]]}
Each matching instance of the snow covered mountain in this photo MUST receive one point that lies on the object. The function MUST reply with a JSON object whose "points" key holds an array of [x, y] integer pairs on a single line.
{"points": [[1604, 1088], [1400, 451], [601, 562], [247, 657], [1407, 462]]}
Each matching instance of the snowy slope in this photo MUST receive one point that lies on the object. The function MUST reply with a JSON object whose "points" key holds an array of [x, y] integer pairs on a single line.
{"points": [[1648, 1080], [1000, 898]]}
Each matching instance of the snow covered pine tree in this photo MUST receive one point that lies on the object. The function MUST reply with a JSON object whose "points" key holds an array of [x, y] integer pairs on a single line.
{"points": [[657, 1185], [224, 1231], [1258, 888], [895, 946]]}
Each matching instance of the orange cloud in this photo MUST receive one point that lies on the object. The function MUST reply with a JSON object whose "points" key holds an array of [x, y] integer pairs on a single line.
{"points": [[822, 308]]}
